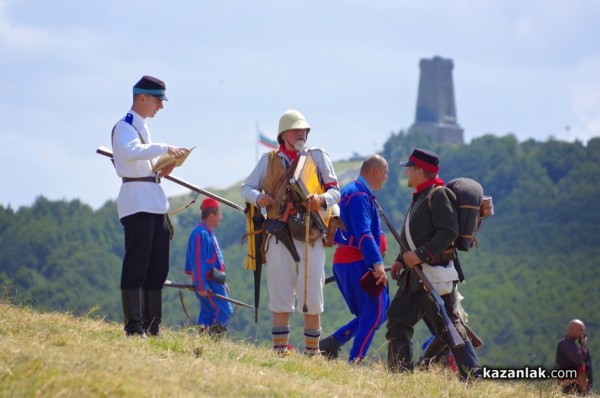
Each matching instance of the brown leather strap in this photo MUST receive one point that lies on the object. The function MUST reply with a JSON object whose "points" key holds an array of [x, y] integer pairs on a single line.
{"points": [[143, 179]]}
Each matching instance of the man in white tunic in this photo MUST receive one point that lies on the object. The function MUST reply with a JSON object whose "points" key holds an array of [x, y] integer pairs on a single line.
{"points": [[142, 206]]}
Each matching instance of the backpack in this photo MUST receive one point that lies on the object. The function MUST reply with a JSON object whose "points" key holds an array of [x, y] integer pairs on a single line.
{"points": [[472, 207]]}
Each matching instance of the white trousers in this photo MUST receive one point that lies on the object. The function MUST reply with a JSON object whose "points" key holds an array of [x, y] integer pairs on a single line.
{"points": [[285, 277]]}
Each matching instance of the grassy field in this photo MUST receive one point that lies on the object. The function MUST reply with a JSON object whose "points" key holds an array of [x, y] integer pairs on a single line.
{"points": [[59, 355]]}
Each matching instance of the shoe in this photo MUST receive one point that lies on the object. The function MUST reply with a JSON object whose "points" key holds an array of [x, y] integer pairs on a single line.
{"points": [[311, 353], [151, 301], [284, 351], [330, 347], [132, 312], [142, 335]]}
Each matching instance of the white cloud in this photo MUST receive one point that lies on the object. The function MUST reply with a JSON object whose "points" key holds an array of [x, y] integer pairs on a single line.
{"points": [[585, 100], [20, 37], [351, 68]]}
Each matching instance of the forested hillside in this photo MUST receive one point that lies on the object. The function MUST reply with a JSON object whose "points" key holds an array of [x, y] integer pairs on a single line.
{"points": [[534, 270]]}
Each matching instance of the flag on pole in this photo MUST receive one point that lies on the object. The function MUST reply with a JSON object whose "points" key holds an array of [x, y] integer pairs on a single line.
{"points": [[266, 141]]}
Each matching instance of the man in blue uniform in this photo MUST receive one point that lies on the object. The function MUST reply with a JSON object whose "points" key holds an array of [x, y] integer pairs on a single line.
{"points": [[358, 252], [204, 263]]}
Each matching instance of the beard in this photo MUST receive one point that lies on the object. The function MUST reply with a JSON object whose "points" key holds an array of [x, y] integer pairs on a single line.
{"points": [[299, 145]]}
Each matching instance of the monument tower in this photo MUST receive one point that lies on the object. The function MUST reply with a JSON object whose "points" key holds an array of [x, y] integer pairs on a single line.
{"points": [[436, 112]]}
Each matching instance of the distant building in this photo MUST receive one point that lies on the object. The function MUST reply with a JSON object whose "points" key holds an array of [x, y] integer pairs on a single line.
{"points": [[436, 112]]}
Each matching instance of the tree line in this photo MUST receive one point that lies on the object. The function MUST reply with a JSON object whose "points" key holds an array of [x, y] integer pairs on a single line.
{"points": [[533, 271]]}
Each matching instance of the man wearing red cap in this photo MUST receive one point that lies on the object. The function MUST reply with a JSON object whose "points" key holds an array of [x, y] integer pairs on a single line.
{"points": [[142, 206], [430, 227], [204, 263]]}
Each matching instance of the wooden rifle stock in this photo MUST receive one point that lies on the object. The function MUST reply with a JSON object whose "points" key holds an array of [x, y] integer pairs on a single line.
{"points": [[106, 152], [456, 341], [475, 340]]}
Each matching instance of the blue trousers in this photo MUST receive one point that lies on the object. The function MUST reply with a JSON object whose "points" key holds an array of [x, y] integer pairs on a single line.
{"points": [[369, 311], [213, 310]]}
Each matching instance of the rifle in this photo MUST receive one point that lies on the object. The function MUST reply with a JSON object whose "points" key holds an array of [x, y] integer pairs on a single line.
{"points": [[331, 278], [210, 293], [456, 341], [475, 340], [106, 152]]}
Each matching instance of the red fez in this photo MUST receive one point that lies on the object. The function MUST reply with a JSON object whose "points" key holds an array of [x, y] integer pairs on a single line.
{"points": [[208, 203]]}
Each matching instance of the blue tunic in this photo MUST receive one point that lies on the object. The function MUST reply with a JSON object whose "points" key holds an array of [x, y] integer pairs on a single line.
{"points": [[203, 254], [358, 249]]}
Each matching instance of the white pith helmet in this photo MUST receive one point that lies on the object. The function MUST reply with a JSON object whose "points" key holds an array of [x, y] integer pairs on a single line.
{"points": [[290, 120]]}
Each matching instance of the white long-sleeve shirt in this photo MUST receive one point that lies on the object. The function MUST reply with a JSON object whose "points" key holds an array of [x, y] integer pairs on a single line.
{"points": [[132, 159]]}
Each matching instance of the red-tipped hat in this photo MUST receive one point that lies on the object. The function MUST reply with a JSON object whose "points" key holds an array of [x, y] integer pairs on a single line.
{"points": [[208, 203], [423, 159]]}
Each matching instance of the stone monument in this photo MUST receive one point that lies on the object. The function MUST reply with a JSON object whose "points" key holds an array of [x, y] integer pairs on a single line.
{"points": [[436, 112]]}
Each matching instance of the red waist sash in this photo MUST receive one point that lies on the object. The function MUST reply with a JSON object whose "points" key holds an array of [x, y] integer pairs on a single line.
{"points": [[347, 254]]}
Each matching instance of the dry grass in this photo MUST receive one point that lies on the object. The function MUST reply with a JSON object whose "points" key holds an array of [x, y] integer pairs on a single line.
{"points": [[58, 355]]}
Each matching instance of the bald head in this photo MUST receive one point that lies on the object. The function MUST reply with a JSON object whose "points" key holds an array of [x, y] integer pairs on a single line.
{"points": [[374, 169], [576, 328], [371, 162]]}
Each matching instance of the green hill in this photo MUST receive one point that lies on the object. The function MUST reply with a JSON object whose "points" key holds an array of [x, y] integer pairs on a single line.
{"points": [[534, 270], [57, 354]]}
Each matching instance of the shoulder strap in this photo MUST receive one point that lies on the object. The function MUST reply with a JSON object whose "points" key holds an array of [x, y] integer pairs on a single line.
{"points": [[288, 171], [129, 119], [452, 195]]}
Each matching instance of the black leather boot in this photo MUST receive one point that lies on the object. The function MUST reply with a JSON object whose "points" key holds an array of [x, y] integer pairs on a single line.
{"points": [[434, 352], [151, 311], [132, 312], [330, 347], [467, 362], [400, 355]]}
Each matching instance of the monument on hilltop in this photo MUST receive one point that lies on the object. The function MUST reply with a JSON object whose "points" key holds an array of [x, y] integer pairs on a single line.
{"points": [[436, 112]]}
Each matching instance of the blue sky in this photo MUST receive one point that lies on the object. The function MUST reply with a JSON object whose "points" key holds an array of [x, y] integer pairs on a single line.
{"points": [[528, 68]]}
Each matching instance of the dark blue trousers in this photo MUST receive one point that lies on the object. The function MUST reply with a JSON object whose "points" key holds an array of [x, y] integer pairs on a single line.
{"points": [[146, 261]]}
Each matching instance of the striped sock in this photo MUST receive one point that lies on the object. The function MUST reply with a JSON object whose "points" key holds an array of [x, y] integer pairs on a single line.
{"points": [[281, 335], [311, 341]]}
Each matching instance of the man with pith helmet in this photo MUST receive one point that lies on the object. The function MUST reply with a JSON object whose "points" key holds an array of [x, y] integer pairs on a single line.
{"points": [[268, 187]]}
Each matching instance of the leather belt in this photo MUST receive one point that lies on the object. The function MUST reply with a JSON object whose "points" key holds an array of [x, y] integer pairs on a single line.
{"points": [[141, 179]]}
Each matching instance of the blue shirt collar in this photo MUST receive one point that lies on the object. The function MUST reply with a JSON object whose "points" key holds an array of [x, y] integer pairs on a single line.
{"points": [[363, 181]]}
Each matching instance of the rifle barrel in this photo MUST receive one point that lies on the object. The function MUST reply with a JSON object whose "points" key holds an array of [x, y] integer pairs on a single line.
{"points": [[210, 293], [106, 152]]}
